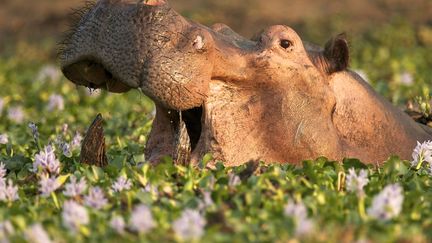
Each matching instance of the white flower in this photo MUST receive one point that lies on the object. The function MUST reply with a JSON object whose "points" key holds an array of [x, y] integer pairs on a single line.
{"points": [[8, 192], [56, 102], [47, 161], [233, 180], [76, 141], [4, 139], [74, 215], [118, 224], [298, 212], [387, 204], [422, 152], [406, 78], [75, 188], [355, 182], [190, 225], [3, 171], [48, 185], [121, 184], [16, 114], [141, 220], [95, 198], [37, 234]]}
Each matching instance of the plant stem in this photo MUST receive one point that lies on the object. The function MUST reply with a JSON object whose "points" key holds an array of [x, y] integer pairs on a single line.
{"points": [[361, 207], [420, 162]]}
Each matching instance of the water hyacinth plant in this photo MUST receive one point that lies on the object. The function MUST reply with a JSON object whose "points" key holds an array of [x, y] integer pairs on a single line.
{"points": [[387, 204], [46, 194], [190, 225]]}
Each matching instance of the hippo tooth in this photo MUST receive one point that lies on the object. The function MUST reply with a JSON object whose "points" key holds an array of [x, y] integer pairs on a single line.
{"points": [[182, 144]]}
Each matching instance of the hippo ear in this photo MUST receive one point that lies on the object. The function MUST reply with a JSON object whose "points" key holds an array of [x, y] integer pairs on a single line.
{"points": [[336, 53]]}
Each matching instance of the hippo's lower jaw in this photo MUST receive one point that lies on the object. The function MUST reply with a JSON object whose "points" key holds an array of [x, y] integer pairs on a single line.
{"points": [[94, 75]]}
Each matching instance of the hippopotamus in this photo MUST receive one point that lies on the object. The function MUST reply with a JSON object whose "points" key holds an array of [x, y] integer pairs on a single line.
{"points": [[272, 98]]}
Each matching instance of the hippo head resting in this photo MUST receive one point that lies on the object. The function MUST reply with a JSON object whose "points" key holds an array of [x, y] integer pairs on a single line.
{"points": [[273, 98]]}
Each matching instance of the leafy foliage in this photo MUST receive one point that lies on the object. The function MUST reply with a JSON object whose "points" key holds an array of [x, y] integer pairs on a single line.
{"points": [[245, 203]]}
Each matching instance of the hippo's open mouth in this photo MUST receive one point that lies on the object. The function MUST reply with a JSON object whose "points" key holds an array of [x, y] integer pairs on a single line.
{"points": [[178, 134], [94, 75]]}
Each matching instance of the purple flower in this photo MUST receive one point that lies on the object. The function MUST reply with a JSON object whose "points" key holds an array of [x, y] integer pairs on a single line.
{"points": [[55, 102], [355, 182], [121, 184], [66, 150], [406, 78], [295, 210], [76, 141], [95, 198], [422, 152], [149, 188], [37, 234], [48, 72], [190, 225], [298, 212], [6, 229], [118, 224], [74, 215], [4, 139], [8, 192], [207, 201], [34, 130], [141, 220], [387, 204], [304, 226], [75, 188], [16, 114], [48, 185], [47, 161]]}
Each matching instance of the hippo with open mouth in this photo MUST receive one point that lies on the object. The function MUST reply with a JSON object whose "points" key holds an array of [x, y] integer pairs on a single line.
{"points": [[274, 98]]}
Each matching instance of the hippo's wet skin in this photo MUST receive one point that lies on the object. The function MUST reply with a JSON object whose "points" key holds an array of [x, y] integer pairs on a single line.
{"points": [[275, 98]]}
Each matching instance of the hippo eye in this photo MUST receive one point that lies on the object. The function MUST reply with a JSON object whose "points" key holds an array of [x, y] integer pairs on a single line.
{"points": [[285, 44]]}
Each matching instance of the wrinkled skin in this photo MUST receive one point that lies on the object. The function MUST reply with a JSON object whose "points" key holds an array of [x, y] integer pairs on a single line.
{"points": [[274, 98]]}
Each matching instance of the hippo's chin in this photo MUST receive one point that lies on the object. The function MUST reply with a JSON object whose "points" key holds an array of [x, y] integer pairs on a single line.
{"points": [[94, 75]]}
